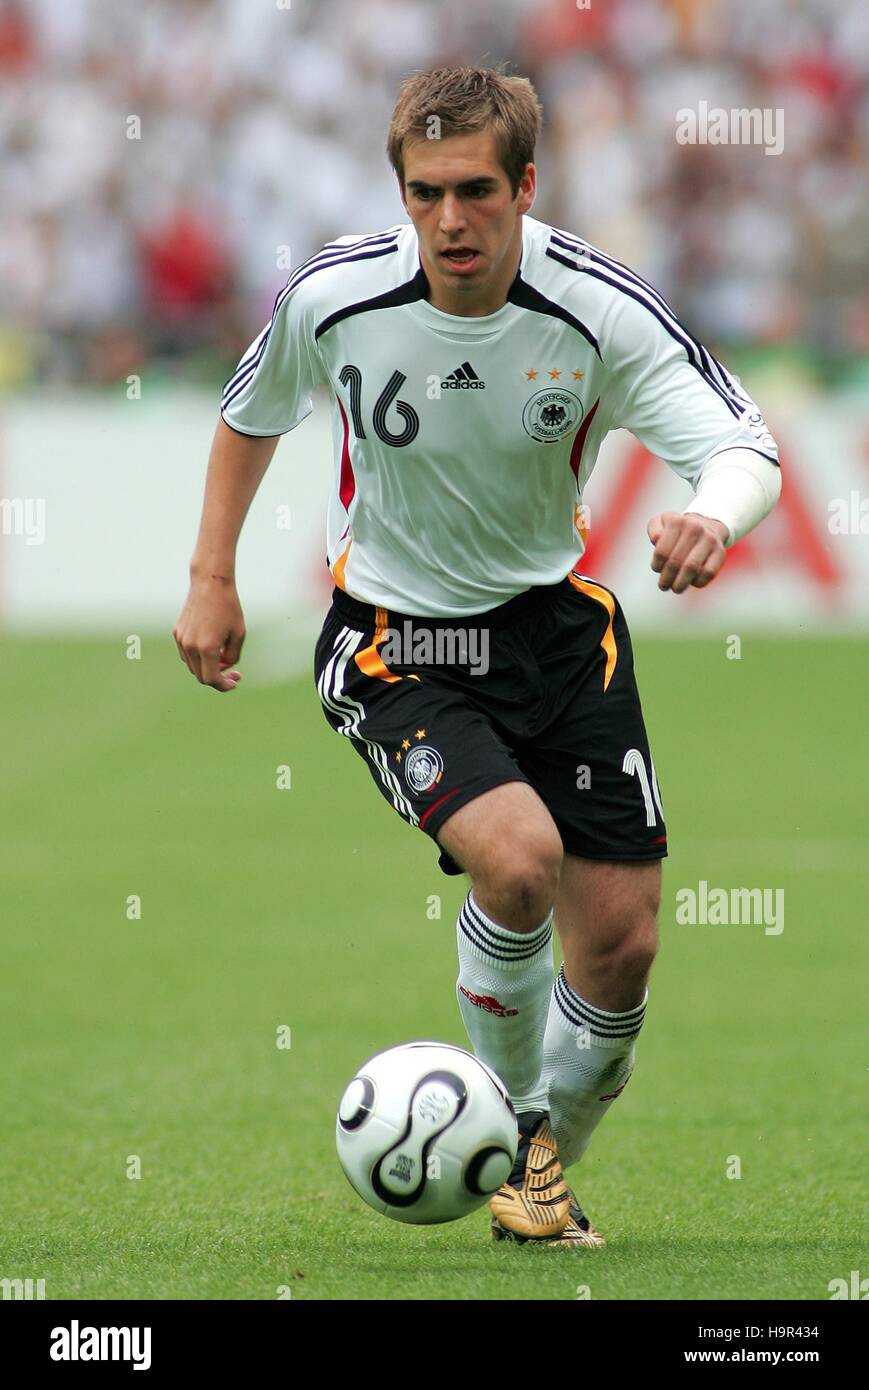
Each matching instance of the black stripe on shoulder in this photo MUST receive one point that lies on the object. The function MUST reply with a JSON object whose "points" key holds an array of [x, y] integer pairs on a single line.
{"points": [[407, 293], [589, 257], [371, 240], [333, 252], [527, 297], [339, 260], [678, 333]]}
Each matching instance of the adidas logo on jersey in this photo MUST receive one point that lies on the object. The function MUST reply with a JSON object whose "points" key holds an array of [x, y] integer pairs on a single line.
{"points": [[464, 378]]}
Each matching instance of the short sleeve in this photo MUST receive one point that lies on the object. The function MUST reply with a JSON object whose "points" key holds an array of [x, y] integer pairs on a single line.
{"points": [[270, 391], [672, 394]]}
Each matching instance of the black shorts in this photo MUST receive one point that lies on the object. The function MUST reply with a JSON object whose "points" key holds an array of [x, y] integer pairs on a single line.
{"points": [[540, 690]]}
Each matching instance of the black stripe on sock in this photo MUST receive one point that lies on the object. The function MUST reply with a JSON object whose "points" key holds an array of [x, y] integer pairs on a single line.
{"points": [[487, 941], [574, 1010]]}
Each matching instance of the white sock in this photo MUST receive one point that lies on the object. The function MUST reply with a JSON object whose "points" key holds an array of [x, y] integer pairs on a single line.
{"points": [[588, 1057], [503, 989]]}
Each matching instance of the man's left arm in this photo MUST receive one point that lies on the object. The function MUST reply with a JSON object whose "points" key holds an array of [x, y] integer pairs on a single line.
{"points": [[679, 401], [736, 490]]}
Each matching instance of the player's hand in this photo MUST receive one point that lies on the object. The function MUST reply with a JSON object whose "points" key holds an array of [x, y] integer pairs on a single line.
{"points": [[689, 549], [210, 631]]}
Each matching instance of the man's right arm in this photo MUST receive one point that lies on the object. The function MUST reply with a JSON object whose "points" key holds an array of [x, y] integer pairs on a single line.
{"points": [[210, 629], [268, 394]]}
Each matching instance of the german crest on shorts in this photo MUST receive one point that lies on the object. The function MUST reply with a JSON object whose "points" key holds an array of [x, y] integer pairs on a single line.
{"points": [[423, 768]]}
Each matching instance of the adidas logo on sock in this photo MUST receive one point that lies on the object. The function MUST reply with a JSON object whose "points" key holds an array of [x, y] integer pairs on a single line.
{"points": [[489, 1003], [464, 378]]}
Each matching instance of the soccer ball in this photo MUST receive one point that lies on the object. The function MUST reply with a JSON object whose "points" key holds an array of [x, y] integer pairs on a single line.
{"points": [[426, 1132]]}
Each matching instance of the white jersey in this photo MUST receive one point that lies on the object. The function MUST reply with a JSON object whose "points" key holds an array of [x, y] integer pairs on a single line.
{"points": [[462, 445]]}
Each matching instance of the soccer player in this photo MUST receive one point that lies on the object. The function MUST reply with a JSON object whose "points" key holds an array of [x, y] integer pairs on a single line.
{"points": [[476, 358]]}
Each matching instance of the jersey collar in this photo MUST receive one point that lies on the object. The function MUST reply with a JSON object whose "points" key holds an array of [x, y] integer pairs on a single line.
{"points": [[464, 325]]}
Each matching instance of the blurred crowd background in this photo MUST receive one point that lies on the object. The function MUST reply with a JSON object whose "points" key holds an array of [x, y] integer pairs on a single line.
{"points": [[158, 244]]}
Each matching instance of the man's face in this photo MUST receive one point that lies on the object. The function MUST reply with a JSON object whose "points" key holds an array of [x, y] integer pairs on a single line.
{"points": [[468, 222]]}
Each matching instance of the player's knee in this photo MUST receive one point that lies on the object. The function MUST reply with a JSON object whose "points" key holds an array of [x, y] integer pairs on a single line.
{"points": [[520, 879], [628, 921], [626, 950], [530, 867], [638, 952]]}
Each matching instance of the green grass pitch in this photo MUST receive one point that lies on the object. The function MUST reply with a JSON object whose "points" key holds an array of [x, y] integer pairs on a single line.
{"points": [[307, 908]]}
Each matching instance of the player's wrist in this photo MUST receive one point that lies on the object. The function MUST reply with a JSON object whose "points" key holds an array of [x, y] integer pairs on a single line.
{"points": [[212, 569]]}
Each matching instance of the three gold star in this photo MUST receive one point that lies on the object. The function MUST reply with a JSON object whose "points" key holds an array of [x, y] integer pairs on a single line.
{"points": [[405, 744], [554, 374]]}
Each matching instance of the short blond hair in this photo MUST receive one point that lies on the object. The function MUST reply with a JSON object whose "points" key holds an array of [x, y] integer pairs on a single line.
{"points": [[464, 101]]}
